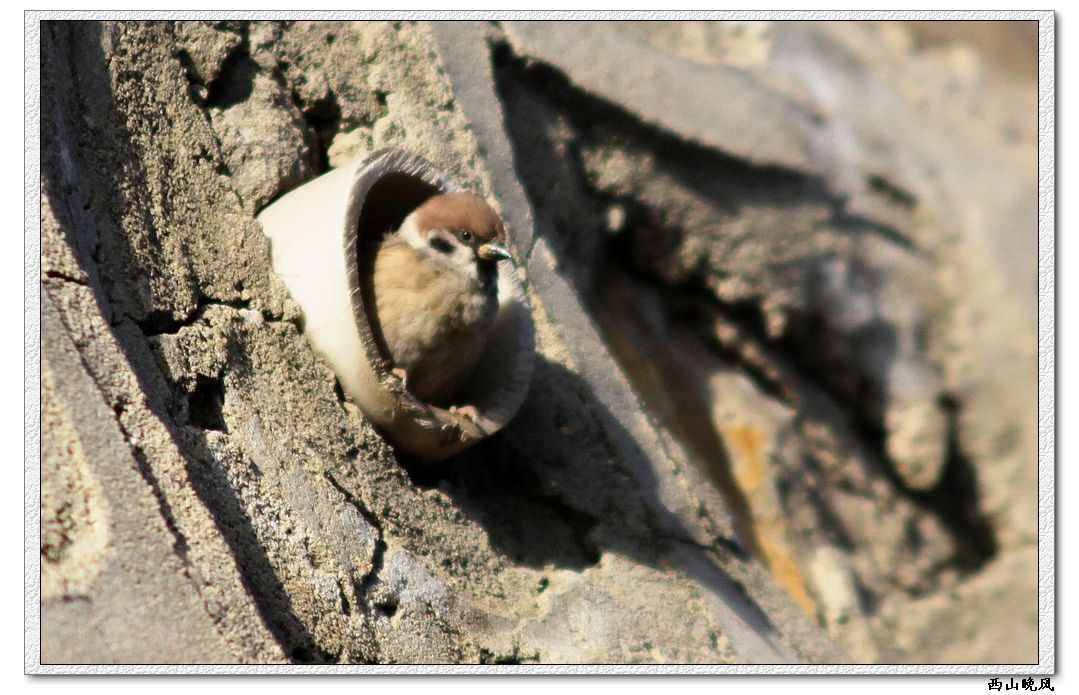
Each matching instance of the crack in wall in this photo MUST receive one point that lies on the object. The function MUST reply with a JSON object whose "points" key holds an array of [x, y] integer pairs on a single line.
{"points": [[738, 332], [66, 278], [378, 556], [180, 545], [159, 322]]}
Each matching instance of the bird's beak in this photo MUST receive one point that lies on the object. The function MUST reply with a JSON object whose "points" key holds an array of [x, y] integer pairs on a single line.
{"points": [[493, 252]]}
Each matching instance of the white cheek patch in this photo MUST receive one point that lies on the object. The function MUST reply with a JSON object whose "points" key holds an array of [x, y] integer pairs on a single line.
{"points": [[411, 234], [464, 260]]}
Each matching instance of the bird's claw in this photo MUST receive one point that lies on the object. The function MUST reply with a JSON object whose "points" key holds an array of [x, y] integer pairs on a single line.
{"points": [[468, 411]]}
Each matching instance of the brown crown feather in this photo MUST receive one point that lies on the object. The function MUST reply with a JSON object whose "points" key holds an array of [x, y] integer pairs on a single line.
{"points": [[460, 211]]}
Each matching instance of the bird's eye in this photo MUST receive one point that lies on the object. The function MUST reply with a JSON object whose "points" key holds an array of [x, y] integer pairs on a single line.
{"points": [[466, 235]]}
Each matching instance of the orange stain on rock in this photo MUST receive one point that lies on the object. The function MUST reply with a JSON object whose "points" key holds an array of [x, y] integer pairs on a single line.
{"points": [[748, 466], [747, 446], [789, 575]]}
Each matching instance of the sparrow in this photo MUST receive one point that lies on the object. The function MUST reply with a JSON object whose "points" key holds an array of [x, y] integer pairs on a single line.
{"points": [[436, 292]]}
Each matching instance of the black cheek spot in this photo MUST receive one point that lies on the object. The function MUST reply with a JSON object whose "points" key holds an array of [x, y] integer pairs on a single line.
{"points": [[441, 245]]}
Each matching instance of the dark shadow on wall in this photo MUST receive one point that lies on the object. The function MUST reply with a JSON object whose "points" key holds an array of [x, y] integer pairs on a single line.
{"points": [[556, 489], [550, 122], [89, 171]]}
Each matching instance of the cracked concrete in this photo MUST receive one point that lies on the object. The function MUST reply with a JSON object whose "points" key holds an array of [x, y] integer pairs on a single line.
{"points": [[693, 445], [835, 295]]}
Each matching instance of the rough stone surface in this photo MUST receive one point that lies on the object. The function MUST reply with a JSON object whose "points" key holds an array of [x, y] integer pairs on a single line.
{"points": [[718, 106], [115, 569], [784, 387]]}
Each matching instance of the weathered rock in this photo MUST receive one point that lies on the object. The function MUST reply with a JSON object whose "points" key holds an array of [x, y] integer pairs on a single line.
{"points": [[205, 46], [834, 288], [718, 107], [113, 564], [758, 405], [264, 139]]}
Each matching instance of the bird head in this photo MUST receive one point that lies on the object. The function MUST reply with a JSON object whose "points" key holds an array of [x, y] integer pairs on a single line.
{"points": [[459, 230]]}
